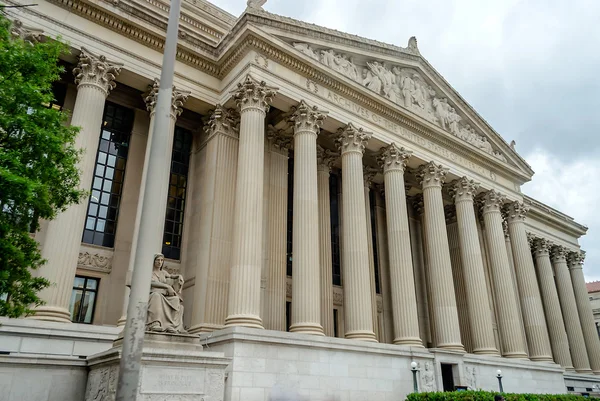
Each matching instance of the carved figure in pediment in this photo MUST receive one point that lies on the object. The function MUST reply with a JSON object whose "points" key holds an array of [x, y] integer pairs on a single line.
{"points": [[371, 81], [442, 112], [385, 76], [346, 67], [306, 49], [165, 305], [499, 155], [453, 120], [408, 88]]}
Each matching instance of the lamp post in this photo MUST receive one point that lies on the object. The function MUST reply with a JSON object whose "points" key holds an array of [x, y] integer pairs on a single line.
{"points": [[499, 376], [413, 368], [151, 216]]}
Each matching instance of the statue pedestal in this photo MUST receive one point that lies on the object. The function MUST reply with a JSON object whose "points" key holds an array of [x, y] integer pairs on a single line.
{"points": [[173, 367]]}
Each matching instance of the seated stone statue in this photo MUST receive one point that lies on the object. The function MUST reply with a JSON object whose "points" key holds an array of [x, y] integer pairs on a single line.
{"points": [[165, 306]]}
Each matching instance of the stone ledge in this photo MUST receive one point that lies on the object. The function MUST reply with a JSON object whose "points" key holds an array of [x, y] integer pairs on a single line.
{"points": [[32, 327], [43, 360]]}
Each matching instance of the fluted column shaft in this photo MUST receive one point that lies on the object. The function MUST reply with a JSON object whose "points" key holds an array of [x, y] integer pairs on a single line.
{"points": [[95, 78], [554, 317], [568, 306], [402, 281], [445, 314], [584, 310], [367, 180], [529, 293], [325, 159], [306, 304], [513, 340], [244, 289], [480, 318], [211, 288], [358, 321]]}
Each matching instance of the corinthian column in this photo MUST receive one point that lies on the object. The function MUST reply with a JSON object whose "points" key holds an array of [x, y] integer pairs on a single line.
{"points": [[306, 305], [529, 293], [325, 159], [568, 306], [368, 175], [445, 314], [513, 340], [213, 262], [94, 76], [358, 321], [252, 98], [554, 317], [402, 281], [177, 99], [480, 318], [584, 309]]}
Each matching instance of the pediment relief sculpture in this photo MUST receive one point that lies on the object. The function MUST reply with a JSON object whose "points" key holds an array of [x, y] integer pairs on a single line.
{"points": [[405, 87]]}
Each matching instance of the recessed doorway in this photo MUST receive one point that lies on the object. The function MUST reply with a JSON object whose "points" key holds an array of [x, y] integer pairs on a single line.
{"points": [[447, 377]]}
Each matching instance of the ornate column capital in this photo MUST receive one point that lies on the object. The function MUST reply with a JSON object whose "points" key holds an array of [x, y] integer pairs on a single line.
{"points": [[325, 158], [96, 71], [279, 139], [576, 259], [418, 204], [178, 98], [505, 228], [431, 175], [450, 214], [393, 158], [491, 201], [26, 33], [352, 139], [463, 189], [305, 118], [542, 246], [368, 175], [516, 211], [222, 120], [559, 253], [252, 94]]}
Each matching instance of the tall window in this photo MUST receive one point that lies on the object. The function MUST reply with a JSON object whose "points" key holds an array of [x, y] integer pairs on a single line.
{"points": [[107, 186], [290, 215], [374, 239], [83, 299], [334, 204], [180, 162]]}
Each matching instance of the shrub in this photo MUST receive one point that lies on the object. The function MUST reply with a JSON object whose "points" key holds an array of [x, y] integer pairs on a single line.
{"points": [[489, 396]]}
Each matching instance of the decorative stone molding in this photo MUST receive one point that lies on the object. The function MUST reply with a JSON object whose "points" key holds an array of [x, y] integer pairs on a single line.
{"points": [[312, 86], [491, 200], [379, 305], [95, 260], [306, 118], [27, 34], [463, 189], [178, 98], [288, 289], [255, 4], [559, 253], [261, 60], [96, 71], [393, 158], [515, 211], [338, 296], [352, 139], [431, 175], [326, 158], [222, 121], [405, 87], [279, 139], [252, 94]]}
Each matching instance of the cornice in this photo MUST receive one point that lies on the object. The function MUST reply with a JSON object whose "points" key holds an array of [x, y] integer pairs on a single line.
{"points": [[554, 218]]}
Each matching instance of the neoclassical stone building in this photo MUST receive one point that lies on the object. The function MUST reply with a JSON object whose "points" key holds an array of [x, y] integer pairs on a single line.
{"points": [[338, 211]]}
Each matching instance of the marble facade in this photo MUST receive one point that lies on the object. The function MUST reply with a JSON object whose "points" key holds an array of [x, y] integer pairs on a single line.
{"points": [[443, 259]]}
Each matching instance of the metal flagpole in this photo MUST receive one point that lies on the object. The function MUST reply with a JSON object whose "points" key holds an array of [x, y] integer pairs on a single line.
{"points": [[151, 219]]}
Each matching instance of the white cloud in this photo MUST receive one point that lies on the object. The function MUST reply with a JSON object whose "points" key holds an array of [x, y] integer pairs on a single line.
{"points": [[572, 188]]}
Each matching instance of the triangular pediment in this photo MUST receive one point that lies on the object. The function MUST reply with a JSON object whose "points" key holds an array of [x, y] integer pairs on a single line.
{"points": [[398, 74]]}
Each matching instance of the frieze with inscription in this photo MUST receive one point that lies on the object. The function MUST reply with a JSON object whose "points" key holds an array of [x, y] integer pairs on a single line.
{"points": [[407, 88]]}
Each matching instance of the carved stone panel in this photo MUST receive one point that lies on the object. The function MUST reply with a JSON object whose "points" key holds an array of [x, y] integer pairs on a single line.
{"points": [[95, 259]]}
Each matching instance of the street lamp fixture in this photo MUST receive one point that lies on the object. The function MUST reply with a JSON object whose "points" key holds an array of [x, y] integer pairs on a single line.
{"points": [[499, 377], [414, 370]]}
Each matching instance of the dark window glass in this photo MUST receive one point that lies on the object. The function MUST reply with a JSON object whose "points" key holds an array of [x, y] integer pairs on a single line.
{"points": [[374, 239], [107, 184], [290, 214], [334, 203], [288, 315], [180, 162], [83, 299], [336, 327]]}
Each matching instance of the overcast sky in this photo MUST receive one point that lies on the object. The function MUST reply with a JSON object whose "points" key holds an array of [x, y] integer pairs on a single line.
{"points": [[531, 68]]}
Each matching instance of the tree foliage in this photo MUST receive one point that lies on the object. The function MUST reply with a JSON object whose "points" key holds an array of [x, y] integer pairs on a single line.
{"points": [[38, 163]]}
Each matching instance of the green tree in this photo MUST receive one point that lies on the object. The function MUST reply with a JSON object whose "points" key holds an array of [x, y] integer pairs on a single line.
{"points": [[38, 163]]}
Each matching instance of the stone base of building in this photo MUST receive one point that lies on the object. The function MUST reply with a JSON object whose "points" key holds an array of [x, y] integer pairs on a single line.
{"points": [[172, 367], [269, 363]]}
